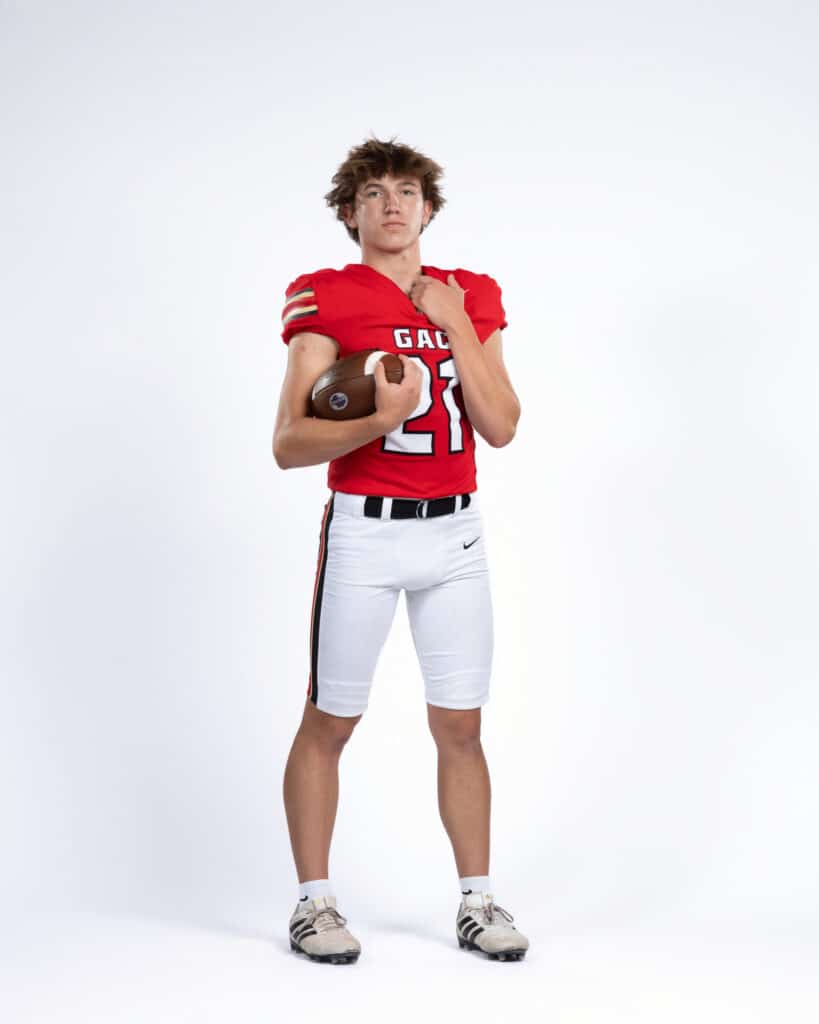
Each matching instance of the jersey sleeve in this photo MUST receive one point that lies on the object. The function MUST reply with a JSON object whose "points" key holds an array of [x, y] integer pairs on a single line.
{"points": [[496, 312], [487, 313], [304, 309]]}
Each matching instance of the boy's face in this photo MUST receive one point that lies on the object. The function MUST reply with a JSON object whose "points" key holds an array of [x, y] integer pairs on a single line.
{"points": [[389, 212]]}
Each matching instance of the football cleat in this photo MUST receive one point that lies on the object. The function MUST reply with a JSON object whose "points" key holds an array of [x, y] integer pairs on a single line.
{"points": [[484, 925], [317, 930]]}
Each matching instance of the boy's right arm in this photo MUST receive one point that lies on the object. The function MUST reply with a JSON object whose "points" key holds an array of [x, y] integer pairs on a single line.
{"points": [[300, 439]]}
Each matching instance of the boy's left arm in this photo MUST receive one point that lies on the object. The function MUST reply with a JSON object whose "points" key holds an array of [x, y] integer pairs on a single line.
{"points": [[491, 403]]}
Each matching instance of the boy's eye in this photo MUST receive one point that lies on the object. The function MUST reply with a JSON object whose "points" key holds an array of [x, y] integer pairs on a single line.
{"points": [[374, 191]]}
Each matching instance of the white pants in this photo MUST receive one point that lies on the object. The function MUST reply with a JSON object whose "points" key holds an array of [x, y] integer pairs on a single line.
{"points": [[363, 564]]}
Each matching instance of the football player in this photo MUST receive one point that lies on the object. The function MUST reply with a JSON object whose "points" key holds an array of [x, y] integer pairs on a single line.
{"points": [[403, 514]]}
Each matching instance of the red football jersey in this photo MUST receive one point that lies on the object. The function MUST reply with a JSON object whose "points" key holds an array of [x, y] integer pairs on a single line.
{"points": [[432, 453]]}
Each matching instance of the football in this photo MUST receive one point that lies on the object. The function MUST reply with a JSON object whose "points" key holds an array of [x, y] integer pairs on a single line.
{"points": [[346, 390]]}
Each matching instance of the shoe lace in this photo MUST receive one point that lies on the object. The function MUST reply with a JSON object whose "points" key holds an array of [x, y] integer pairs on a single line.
{"points": [[489, 912], [322, 920]]}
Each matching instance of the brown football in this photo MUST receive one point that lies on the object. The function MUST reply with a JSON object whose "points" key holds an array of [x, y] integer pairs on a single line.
{"points": [[346, 390]]}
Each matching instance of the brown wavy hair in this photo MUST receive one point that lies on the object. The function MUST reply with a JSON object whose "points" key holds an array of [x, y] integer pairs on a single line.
{"points": [[373, 159]]}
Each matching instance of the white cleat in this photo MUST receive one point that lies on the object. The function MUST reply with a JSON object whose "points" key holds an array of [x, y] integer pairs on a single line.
{"points": [[484, 925], [317, 930]]}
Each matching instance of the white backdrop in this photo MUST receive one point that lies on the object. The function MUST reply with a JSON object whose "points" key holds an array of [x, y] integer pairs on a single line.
{"points": [[641, 180]]}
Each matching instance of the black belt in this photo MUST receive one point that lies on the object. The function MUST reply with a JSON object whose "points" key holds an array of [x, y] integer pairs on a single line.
{"points": [[403, 508]]}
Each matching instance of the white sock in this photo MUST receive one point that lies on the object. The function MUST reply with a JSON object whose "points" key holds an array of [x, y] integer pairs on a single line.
{"points": [[318, 887], [475, 883]]}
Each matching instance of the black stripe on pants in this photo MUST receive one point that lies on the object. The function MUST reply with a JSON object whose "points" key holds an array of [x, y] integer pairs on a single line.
{"points": [[314, 637]]}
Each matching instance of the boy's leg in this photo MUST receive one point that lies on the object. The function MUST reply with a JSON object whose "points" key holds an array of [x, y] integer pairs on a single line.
{"points": [[311, 788], [351, 616], [464, 788], [452, 629]]}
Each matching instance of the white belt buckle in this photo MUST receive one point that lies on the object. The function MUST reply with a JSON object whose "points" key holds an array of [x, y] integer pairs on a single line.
{"points": [[421, 509]]}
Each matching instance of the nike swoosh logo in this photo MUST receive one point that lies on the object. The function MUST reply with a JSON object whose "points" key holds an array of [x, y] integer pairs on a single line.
{"points": [[469, 545]]}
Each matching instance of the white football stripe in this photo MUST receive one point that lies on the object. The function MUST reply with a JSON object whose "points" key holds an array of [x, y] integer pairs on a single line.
{"points": [[372, 359]]}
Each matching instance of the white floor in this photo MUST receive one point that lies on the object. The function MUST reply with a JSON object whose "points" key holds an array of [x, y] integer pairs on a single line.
{"points": [[87, 968]]}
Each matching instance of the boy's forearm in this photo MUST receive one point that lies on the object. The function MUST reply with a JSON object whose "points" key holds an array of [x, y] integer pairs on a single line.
{"points": [[492, 408], [309, 441]]}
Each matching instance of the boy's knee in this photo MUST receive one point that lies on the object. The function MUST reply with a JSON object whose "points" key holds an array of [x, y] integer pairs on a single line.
{"points": [[461, 728], [331, 730]]}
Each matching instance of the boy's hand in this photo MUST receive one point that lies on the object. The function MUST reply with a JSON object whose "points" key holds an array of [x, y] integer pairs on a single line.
{"points": [[441, 303], [395, 403]]}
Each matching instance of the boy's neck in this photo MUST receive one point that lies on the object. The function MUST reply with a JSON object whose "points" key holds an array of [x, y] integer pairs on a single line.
{"points": [[400, 267]]}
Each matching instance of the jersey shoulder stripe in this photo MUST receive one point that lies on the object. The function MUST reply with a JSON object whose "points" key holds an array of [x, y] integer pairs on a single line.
{"points": [[299, 302], [297, 312], [301, 293], [307, 306]]}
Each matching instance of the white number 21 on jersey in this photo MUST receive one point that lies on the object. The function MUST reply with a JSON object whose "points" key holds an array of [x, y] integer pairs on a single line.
{"points": [[405, 442]]}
